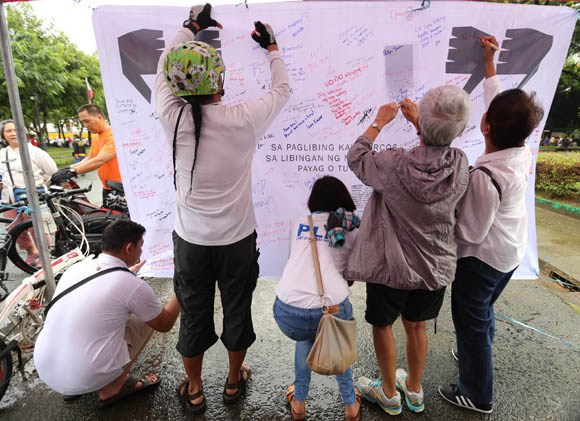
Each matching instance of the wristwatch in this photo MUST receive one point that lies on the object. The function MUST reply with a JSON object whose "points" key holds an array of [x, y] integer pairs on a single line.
{"points": [[375, 125]]}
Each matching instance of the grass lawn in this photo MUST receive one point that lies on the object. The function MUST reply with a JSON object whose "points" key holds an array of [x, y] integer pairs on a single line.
{"points": [[62, 156]]}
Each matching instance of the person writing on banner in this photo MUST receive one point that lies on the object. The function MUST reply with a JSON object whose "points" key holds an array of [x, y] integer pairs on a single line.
{"points": [[102, 155], [405, 249], [214, 237], [93, 334], [297, 308], [12, 173], [491, 232]]}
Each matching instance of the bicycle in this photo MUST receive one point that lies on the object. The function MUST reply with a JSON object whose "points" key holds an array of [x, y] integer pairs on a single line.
{"points": [[115, 199], [67, 228], [22, 317], [6, 239]]}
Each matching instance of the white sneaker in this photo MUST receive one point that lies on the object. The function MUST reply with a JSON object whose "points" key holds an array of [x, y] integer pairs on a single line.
{"points": [[372, 391], [414, 400]]}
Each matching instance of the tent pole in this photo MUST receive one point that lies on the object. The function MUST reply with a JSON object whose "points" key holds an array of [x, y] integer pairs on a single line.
{"points": [[32, 194]]}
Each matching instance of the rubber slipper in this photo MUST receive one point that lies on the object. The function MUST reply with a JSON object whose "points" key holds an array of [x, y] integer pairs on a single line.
{"points": [[296, 416], [129, 388], [185, 398], [240, 386]]}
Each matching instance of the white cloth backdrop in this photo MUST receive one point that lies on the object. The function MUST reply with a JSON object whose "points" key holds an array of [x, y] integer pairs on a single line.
{"points": [[344, 60]]}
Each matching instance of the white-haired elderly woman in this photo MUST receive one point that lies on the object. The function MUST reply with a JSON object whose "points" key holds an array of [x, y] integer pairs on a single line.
{"points": [[406, 249]]}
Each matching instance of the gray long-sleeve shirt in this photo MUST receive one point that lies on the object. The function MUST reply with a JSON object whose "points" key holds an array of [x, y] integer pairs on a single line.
{"points": [[218, 210]]}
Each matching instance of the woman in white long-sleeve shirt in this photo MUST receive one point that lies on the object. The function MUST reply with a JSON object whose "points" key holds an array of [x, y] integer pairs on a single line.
{"points": [[491, 233], [12, 171]]}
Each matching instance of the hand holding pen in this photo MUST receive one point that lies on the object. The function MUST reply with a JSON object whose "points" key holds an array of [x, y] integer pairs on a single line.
{"points": [[490, 46]]}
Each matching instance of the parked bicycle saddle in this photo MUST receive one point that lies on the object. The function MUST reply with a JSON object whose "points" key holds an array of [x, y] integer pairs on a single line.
{"points": [[116, 185]]}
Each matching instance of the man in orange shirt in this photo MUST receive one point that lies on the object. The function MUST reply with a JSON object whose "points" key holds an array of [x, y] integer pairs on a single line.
{"points": [[102, 156]]}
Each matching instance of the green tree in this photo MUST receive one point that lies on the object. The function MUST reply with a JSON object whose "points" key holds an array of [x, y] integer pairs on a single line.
{"points": [[50, 71]]}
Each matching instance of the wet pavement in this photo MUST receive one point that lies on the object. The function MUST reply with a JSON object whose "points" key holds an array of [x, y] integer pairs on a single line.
{"points": [[536, 359], [536, 375]]}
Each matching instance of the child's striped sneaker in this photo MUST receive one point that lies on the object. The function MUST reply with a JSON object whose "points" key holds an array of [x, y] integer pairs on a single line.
{"points": [[414, 400]]}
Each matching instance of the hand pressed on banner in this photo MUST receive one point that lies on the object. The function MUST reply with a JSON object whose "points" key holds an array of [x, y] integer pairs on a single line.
{"points": [[200, 18], [263, 34]]}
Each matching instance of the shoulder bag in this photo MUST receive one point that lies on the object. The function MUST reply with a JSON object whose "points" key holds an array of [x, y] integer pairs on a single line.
{"points": [[334, 349], [78, 284]]}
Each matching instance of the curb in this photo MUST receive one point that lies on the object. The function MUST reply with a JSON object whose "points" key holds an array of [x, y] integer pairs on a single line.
{"points": [[561, 208], [555, 273]]}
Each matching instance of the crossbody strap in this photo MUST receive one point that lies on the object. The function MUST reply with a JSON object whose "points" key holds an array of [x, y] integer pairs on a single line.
{"points": [[8, 168], [314, 249], [78, 284], [175, 144], [490, 175]]}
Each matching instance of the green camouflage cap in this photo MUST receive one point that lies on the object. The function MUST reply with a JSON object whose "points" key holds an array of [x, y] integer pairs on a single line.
{"points": [[193, 68]]}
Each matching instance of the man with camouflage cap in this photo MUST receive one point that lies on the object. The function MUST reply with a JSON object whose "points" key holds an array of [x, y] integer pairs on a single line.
{"points": [[214, 236]]}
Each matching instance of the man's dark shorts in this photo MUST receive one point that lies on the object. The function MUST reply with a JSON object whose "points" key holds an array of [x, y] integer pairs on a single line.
{"points": [[197, 268], [385, 304]]}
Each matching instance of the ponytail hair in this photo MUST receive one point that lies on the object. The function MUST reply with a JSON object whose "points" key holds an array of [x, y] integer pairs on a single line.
{"points": [[195, 101]]}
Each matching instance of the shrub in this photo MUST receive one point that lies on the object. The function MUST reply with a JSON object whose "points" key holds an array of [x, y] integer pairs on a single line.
{"points": [[558, 174]]}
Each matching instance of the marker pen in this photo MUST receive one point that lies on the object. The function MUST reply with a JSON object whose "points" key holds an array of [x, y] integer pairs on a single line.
{"points": [[488, 40]]}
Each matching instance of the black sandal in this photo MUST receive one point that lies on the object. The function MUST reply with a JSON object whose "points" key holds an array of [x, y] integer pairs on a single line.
{"points": [[185, 398], [241, 385]]}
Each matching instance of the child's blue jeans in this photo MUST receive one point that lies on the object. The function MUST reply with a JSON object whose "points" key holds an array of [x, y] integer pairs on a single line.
{"points": [[300, 324]]}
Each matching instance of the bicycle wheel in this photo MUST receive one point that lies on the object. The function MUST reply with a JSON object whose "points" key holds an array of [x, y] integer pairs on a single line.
{"points": [[20, 244], [5, 370]]}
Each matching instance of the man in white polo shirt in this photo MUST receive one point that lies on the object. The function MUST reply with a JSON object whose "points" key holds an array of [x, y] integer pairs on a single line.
{"points": [[94, 333]]}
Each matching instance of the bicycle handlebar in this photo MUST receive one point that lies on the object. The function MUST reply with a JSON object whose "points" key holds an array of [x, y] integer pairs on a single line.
{"points": [[23, 202], [65, 193]]}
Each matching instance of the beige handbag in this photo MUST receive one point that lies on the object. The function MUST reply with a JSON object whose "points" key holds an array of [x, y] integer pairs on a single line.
{"points": [[335, 348]]}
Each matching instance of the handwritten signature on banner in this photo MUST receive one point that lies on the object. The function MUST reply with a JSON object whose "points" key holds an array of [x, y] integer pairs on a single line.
{"points": [[430, 33], [356, 35]]}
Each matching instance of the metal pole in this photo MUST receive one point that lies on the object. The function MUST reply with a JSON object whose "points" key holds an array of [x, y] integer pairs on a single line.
{"points": [[31, 192]]}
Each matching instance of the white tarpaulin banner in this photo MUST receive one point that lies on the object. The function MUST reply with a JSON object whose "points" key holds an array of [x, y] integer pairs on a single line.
{"points": [[344, 61]]}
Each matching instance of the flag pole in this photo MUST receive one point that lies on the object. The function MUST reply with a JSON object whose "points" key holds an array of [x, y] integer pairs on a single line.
{"points": [[89, 91]]}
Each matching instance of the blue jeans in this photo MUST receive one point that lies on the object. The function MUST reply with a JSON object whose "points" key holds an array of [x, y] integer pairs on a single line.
{"points": [[300, 325], [475, 289]]}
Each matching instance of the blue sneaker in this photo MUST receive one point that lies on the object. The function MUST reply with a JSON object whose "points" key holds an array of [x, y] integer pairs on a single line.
{"points": [[372, 391], [414, 400]]}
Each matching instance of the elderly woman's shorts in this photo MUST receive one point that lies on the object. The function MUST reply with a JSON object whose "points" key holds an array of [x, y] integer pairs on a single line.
{"points": [[385, 304]]}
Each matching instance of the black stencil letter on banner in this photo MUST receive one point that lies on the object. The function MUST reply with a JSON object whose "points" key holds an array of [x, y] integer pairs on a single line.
{"points": [[522, 52], [140, 51], [465, 55], [211, 37]]}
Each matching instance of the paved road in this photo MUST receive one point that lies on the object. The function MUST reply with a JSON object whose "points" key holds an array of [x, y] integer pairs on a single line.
{"points": [[536, 375], [559, 241]]}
